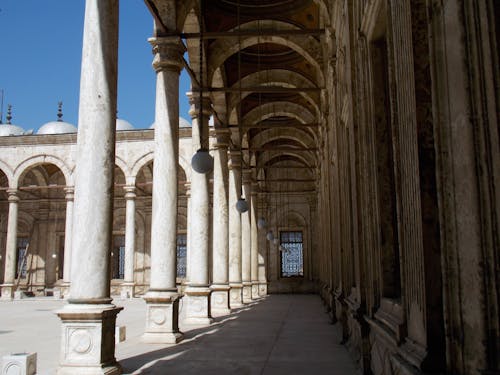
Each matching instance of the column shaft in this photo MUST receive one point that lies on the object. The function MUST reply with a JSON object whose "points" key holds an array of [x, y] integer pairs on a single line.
{"points": [[254, 258], [220, 259], [234, 234], [90, 312], [68, 239], [127, 288], [197, 293], [162, 298], [246, 244], [11, 246]]}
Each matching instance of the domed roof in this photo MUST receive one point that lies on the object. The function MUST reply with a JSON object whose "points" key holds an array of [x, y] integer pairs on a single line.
{"points": [[123, 125], [183, 123], [9, 129], [57, 127]]}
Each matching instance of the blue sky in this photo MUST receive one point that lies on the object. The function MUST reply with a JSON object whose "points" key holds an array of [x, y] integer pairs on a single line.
{"points": [[40, 57]]}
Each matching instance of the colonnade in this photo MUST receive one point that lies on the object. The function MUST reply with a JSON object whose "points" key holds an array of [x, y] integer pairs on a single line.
{"points": [[88, 319]]}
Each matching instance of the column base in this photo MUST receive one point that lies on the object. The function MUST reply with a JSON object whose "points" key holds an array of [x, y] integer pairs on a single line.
{"points": [[127, 290], [7, 292], [162, 318], [255, 290], [236, 295], [262, 289], [88, 339], [247, 292], [197, 305], [219, 300]]}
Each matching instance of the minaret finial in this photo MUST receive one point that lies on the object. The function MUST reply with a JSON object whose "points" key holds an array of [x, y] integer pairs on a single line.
{"points": [[59, 111], [9, 114]]}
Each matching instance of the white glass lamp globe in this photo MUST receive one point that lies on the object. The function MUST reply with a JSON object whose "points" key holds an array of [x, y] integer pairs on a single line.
{"points": [[202, 161], [242, 205]]}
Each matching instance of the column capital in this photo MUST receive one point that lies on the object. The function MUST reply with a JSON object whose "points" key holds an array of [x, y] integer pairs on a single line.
{"points": [[187, 186], [168, 53], [234, 159], [70, 193], [196, 100], [222, 138], [13, 195], [129, 192], [247, 176]]}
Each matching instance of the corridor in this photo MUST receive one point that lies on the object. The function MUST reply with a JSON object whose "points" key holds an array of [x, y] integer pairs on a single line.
{"points": [[282, 334]]}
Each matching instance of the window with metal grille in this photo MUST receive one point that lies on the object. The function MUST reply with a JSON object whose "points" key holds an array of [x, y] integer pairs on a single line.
{"points": [[292, 260], [21, 261], [181, 255], [118, 258]]}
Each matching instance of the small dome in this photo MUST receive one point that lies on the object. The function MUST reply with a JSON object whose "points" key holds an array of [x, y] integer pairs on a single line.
{"points": [[123, 125], [57, 127], [183, 123], [8, 129]]}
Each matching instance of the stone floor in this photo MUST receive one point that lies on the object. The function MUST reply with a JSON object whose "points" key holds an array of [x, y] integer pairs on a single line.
{"points": [[281, 334]]}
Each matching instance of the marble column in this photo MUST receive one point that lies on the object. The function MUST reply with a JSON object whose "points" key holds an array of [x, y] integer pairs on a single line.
{"points": [[11, 247], [197, 293], [262, 255], [88, 320], [235, 293], [254, 241], [246, 244], [68, 239], [220, 255], [127, 287], [162, 299]]}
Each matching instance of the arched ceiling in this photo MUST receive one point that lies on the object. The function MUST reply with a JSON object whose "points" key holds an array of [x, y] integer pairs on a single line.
{"points": [[263, 65]]}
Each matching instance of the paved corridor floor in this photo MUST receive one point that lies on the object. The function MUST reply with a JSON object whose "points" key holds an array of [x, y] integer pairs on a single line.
{"points": [[281, 334]]}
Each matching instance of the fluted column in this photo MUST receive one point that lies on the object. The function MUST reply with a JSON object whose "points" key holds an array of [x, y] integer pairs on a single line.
{"points": [[236, 298], [162, 298], [89, 317], [68, 239], [127, 287], [197, 293], [246, 239], [254, 242], [11, 247], [220, 255]]}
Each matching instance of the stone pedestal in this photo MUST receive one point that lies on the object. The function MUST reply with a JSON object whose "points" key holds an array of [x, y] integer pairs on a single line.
{"points": [[88, 339], [262, 289], [247, 292], [19, 363], [162, 322], [219, 300], [236, 295], [7, 292], [197, 305], [255, 290]]}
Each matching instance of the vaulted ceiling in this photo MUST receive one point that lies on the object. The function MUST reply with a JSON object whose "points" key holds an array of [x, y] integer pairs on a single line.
{"points": [[262, 63]]}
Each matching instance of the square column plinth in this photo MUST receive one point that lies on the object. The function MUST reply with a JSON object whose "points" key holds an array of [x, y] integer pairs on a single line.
{"points": [[262, 289], [236, 295], [219, 300], [162, 318], [247, 292], [255, 290], [197, 305], [7, 292], [88, 339]]}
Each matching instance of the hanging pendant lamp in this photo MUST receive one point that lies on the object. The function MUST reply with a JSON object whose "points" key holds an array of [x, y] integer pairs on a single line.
{"points": [[261, 223], [270, 235], [242, 205], [202, 161]]}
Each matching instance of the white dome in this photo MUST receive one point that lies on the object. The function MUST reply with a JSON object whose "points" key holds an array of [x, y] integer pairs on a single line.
{"points": [[57, 127], [8, 129], [183, 123], [123, 125]]}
